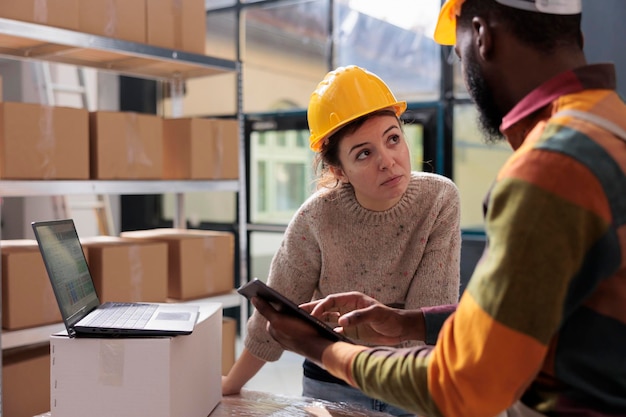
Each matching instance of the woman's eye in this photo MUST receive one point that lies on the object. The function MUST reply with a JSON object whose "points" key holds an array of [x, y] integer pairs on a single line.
{"points": [[394, 138], [363, 154]]}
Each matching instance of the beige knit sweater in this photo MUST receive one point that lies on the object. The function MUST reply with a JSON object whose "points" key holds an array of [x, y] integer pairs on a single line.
{"points": [[408, 254]]}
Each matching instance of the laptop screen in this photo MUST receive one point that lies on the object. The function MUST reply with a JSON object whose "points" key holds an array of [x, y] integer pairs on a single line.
{"points": [[67, 268]]}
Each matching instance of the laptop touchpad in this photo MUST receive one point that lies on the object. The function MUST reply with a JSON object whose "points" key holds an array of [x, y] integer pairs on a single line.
{"points": [[175, 315]]}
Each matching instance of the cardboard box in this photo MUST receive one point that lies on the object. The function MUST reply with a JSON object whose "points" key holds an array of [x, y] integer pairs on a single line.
{"points": [[26, 381], [58, 13], [27, 296], [130, 377], [229, 338], [200, 263], [127, 270], [125, 145], [119, 19], [43, 142], [177, 24], [197, 148]]}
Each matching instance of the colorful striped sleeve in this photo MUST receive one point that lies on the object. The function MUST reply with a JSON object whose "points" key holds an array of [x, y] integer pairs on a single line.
{"points": [[541, 226]]}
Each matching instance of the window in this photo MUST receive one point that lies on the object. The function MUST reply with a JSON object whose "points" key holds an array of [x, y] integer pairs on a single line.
{"points": [[393, 39], [281, 168], [475, 165]]}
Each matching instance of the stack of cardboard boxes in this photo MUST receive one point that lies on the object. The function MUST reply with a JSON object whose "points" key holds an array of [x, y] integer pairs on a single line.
{"points": [[172, 24], [50, 143]]}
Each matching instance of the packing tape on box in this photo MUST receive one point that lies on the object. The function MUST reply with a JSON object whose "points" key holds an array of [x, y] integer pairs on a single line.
{"points": [[111, 21], [209, 269], [47, 141], [136, 272], [218, 151], [111, 366], [40, 10], [135, 153]]}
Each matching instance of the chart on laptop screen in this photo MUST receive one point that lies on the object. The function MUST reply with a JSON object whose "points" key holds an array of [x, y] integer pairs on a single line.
{"points": [[68, 269]]}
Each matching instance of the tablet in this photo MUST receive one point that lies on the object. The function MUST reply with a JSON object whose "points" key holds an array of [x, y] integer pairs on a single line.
{"points": [[257, 288]]}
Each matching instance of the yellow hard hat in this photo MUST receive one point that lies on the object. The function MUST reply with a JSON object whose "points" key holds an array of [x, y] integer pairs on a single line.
{"points": [[344, 95], [445, 31]]}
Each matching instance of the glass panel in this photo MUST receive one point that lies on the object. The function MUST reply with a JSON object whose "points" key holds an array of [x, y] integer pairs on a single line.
{"points": [[221, 34], [289, 190], [218, 4], [210, 207], [263, 246], [282, 174], [394, 40], [475, 165], [414, 134], [261, 187], [457, 77], [284, 54]]}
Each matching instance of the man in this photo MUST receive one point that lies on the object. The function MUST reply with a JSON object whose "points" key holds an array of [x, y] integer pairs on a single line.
{"points": [[541, 328]]}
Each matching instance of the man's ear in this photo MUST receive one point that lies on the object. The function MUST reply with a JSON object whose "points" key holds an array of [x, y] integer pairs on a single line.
{"points": [[339, 174], [483, 35]]}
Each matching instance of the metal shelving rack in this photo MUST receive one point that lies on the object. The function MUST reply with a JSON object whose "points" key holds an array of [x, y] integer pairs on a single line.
{"points": [[30, 41]]}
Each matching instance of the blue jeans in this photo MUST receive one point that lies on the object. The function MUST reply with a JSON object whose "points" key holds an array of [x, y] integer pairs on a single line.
{"points": [[329, 391]]}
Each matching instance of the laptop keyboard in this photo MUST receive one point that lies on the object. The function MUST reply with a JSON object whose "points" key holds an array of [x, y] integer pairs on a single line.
{"points": [[123, 316]]}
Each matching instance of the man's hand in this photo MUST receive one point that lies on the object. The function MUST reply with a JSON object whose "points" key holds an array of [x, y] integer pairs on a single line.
{"points": [[292, 333], [363, 318]]}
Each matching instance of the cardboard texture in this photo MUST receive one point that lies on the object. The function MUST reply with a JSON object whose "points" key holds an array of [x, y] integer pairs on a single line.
{"points": [[177, 24], [197, 148], [27, 296], [130, 377], [125, 145], [43, 142], [229, 337], [26, 381], [126, 270], [200, 263], [119, 19], [58, 13]]}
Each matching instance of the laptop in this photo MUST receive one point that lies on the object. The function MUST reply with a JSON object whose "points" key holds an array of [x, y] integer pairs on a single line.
{"points": [[82, 312]]}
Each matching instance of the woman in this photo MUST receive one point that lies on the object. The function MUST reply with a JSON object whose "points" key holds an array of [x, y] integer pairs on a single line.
{"points": [[373, 226]]}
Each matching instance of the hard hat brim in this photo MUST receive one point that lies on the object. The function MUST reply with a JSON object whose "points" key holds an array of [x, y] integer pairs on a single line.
{"points": [[398, 107], [445, 31]]}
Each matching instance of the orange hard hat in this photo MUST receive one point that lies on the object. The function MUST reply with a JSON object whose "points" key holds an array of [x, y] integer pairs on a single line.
{"points": [[344, 95], [445, 31]]}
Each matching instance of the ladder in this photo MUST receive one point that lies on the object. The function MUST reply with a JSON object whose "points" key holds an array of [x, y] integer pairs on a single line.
{"points": [[50, 91]]}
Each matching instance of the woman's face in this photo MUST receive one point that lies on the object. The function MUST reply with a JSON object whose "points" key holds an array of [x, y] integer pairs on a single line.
{"points": [[375, 159]]}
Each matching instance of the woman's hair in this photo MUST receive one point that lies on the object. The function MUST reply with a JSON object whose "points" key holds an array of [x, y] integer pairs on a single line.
{"points": [[328, 156], [543, 31]]}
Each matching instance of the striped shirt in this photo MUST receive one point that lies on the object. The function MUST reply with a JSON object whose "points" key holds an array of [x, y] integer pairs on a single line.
{"points": [[543, 319]]}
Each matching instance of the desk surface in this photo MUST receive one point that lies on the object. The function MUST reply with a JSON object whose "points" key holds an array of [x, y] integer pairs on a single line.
{"points": [[255, 403], [262, 404]]}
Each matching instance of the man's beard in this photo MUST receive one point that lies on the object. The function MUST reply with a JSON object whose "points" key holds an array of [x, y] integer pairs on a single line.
{"points": [[489, 117]]}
